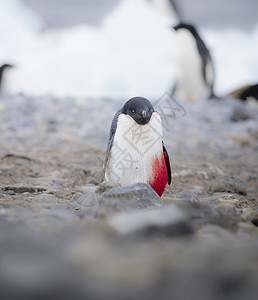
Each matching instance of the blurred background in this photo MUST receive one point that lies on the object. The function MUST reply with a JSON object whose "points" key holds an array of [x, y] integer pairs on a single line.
{"points": [[76, 62], [117, 48], [218, 14]]}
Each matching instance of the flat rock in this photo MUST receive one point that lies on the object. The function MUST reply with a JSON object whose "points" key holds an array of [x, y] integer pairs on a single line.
{"points": [[229, 184], [139, 195]]}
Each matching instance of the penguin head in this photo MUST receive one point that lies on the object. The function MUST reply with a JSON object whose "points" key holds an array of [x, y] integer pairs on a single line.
{"points": [[139, 108], [188, 27], [4, 66]]}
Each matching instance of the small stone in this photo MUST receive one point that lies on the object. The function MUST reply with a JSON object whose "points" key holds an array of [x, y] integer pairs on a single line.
{"points": [[253, 132], [187, 195], [229, 184], [212, 199], [247, 214], [243, 140], [255, 222], [10, 192], [166, 220], [221, 202], [245, 228], [241, 113]]}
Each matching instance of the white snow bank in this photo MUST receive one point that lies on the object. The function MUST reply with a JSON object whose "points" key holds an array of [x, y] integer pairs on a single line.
{"points": [[235, 53], [130, 54]]}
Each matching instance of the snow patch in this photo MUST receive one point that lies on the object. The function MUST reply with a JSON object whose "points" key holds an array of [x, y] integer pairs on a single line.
{"points": [[130, 54]]}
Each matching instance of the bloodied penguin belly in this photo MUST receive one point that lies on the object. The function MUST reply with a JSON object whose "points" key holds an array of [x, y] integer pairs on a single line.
{"points": [[159, 177], [136, 155]]}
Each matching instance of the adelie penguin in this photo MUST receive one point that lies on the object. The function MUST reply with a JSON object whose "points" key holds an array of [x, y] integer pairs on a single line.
{"points": [[135, 151], [195, 71], [246, 92]]}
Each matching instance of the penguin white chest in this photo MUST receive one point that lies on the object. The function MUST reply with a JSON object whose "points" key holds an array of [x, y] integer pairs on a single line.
{"points": [[134, 149], [190, 83]]}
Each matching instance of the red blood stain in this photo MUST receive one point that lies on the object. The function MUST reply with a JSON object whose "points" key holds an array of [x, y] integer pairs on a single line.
{"points": [[159, 177]]}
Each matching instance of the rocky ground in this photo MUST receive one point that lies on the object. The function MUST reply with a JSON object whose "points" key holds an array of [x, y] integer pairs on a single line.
{"points": [[65, 235]]}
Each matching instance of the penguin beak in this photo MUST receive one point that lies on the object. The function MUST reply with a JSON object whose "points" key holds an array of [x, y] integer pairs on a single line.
{"points": [[144, 114]]}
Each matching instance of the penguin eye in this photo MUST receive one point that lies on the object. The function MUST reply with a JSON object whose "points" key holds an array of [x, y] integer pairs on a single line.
{"points": [[132, 110]]}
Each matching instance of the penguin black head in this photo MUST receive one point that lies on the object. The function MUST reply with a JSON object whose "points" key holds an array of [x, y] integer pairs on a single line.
{"points": [[2, 68], [139, 108], [188, 27]]}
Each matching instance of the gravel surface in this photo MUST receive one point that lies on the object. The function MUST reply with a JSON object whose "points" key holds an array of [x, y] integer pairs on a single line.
{"points": [[65, 235]]}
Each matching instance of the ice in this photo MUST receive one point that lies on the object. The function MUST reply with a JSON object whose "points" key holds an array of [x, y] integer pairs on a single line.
{"points": [[130, 54]]}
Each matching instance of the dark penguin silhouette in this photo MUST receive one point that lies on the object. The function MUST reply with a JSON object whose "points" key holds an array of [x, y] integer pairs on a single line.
{"points": [[2, 70], [135, 151], [195, 78], [246, 92]]}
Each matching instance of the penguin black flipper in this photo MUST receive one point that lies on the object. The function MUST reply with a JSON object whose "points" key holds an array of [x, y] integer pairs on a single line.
{"points": [[167, 163], [111, 140], [206, 62], [207, 65]]}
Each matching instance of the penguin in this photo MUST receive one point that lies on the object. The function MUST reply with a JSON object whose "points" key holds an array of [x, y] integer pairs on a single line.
{"points": [[246, 92], [136, 151], [2, 69], [195, 79]]}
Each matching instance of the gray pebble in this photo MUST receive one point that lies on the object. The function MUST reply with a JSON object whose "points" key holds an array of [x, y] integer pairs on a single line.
{"points": [[241, 113], [229, 184], [187, 195]]}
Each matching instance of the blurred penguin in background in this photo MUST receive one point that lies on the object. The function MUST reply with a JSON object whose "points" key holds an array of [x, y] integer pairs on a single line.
{"points": [[2, 71], [246, 93], [168, 8], [195, 71]]}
